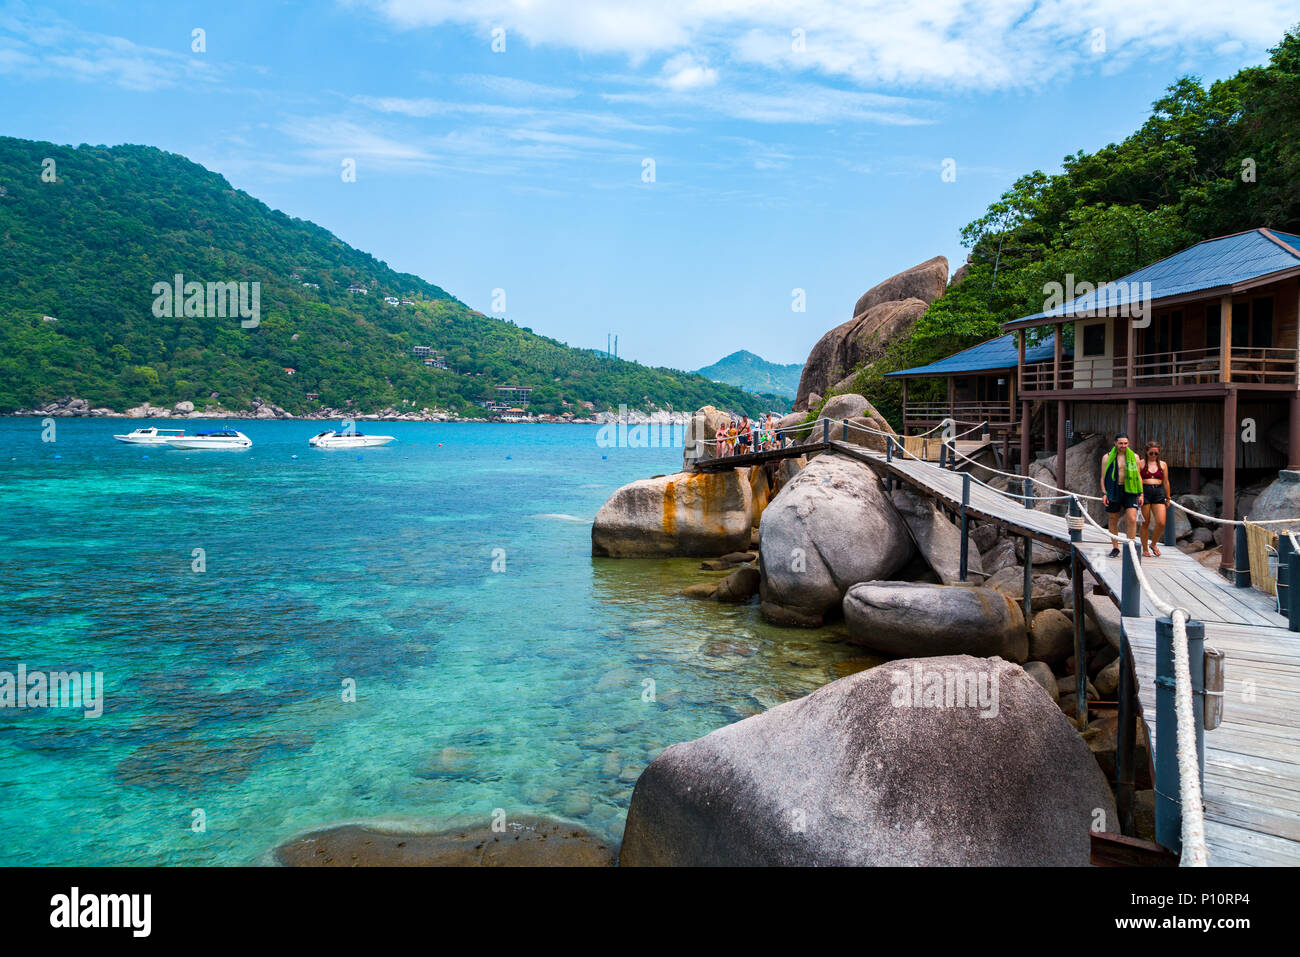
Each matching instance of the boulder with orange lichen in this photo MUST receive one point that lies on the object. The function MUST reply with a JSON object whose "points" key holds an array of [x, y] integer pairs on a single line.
{"points": [[688, 513]]}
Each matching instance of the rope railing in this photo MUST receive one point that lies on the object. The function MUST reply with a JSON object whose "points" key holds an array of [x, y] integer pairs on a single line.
{"points": [[1192, 817]]}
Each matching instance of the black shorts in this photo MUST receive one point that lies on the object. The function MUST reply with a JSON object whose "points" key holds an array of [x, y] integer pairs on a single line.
{"points": [[1121, 501], [1153, 494]]}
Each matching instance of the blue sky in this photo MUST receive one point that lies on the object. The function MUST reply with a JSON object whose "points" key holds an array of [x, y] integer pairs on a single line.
{"points": [[796, 145]]}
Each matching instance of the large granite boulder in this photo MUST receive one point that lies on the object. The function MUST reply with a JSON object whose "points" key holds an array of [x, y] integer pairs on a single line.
{"points": [[880, 768], [689, 513], [829, 528], [926, 281], [849, 344], [1082, 469], [915, 619], [1280, 500], [864, 422], [700, 432], [937, 539]]}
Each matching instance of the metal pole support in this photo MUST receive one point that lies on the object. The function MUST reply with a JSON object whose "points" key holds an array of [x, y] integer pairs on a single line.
{"points": [[965, 525], [844, 431], [889, 457], [1125, 738], [1027, 490], [1168, 792], [1080, 639], [1029, 582], [943, 454], [1240, 558], [826, 431], [1075, 512], [1293, 593], [1171, 526]]}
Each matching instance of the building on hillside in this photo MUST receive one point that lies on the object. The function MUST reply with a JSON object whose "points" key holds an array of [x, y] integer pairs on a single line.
{"points": [[1197, 352], [515, 395], [392, 300], [359, 290]]}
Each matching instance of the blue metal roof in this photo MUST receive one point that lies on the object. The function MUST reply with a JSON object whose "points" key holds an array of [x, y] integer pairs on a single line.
{"points": [[999, 353], [1212, 264]]}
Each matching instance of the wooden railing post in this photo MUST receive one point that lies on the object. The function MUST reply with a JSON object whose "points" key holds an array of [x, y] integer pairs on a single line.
{"points": [[1029, 581], [1292, 611], [1240, 558], [1125, 737], [1284, 551], [1130, 592], [965, 525], [1168, 788], [1080, 639]]}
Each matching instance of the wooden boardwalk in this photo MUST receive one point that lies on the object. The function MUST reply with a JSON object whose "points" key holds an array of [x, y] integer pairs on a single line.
{"points": [[1252, 760]]}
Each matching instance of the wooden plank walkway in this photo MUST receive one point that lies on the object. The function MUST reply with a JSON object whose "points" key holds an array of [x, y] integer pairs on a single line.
{"points": [[1252, 760]]}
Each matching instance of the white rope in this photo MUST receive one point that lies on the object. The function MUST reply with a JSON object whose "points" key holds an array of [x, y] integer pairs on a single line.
{"points": [[1194, 853], [1017, 475], [1231, 521]]}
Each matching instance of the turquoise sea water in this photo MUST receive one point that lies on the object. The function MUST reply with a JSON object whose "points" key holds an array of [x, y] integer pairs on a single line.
{"points": [[476, 689]]}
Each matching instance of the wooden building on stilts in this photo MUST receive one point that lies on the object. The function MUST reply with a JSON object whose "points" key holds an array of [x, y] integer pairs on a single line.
{"points": [[1197, 352]]}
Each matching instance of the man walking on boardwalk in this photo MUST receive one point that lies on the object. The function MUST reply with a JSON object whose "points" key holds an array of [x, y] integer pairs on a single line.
{"points": [[1121, 489]]}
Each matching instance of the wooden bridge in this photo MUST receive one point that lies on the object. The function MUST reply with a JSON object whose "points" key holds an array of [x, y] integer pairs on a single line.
{"points": [[1251, 764]]}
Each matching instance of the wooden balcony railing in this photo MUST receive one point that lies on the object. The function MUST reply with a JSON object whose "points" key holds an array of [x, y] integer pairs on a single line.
{"points": [[968, 411], [1255, 364]]}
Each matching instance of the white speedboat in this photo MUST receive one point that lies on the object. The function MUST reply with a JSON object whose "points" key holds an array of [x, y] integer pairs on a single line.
{"points": [[347, 440], [216, 439], [150, 436]]}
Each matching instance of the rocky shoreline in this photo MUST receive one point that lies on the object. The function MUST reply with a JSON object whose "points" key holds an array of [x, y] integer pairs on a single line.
{"points": [[71, 407], [963, 746]]}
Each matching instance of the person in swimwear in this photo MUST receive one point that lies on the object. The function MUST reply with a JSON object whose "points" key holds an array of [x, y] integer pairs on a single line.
{"points": [[1155, 499]]}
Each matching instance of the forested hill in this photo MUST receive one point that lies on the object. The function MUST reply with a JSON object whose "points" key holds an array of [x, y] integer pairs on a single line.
{"points": [[85, 239], [755, 373], [1209, 161]]}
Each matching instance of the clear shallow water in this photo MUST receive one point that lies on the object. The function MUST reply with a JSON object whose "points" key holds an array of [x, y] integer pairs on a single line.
{"points": [[476, 689]]}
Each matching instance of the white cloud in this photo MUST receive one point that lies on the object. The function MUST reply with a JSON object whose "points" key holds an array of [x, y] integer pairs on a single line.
{"points": [[967, 44], [683, 72], [51, 49]]}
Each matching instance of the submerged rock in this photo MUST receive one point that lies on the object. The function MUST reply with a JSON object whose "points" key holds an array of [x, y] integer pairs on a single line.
{"points": [[919, 620], [525, 842], [874, 770], [828, 529], [689, 513]]}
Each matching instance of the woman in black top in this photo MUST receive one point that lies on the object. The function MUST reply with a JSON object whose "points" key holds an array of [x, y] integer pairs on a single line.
{"points": [[1155, 499]]}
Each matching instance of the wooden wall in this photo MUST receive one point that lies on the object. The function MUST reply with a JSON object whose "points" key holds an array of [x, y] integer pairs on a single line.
{"points": [[1190, 432]]}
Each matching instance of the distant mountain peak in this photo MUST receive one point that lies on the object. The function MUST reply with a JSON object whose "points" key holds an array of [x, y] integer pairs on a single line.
{"points": [[753, 373]]}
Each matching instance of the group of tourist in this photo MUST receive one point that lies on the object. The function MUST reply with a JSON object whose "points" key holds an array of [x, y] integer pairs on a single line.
{"points": [[738, 435]]}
